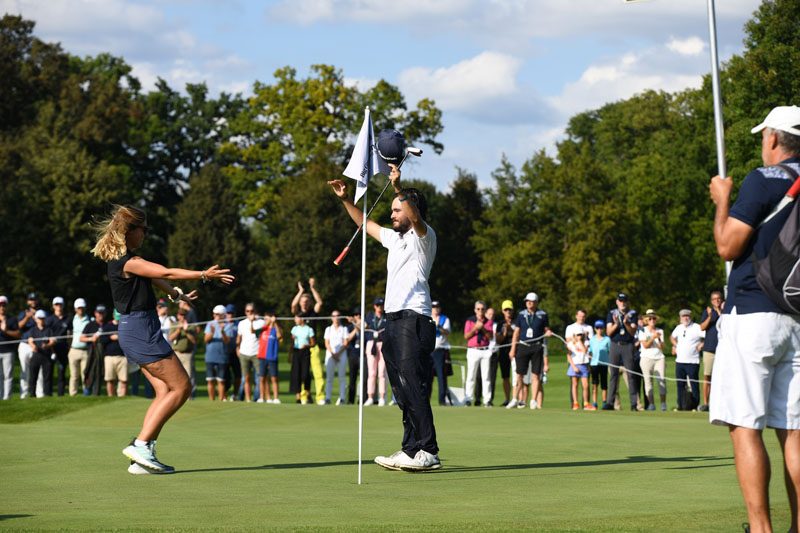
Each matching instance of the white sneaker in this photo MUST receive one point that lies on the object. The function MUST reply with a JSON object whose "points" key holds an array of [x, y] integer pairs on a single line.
{"points": [[321, 401], [339, 401], [534, 405], [369, 401], [276, 400], [382, 402], [512, 404], [137, 469], [521, 405], [421, 462], [392, 402], [143, 455], [261, 400], [393, 461]]}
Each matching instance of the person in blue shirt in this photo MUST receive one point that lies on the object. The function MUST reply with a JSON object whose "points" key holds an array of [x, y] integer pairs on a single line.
{"points": [[756, 382], [708, 323], [532, 326], [217, 336], [599, 346]]}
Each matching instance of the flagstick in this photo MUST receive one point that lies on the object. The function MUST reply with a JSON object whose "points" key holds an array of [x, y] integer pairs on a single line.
{"points": [[361, 338]]}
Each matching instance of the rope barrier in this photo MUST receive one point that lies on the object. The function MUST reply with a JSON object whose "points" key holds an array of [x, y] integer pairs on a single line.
{"points": [[345, 318]]}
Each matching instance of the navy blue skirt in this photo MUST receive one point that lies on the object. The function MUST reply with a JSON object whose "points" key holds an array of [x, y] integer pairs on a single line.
{"points": [[141, 339]]}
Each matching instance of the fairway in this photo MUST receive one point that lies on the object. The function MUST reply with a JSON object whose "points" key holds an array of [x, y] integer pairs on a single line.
{"points": [[258, 467]]}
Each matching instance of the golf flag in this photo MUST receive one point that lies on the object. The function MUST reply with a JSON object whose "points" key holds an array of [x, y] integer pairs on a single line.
{"points": [[365, 161]]}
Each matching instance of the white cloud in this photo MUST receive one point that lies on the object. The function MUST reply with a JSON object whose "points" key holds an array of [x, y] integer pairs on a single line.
{"points": [[362, 84], [486, 76], [688, 47], [620, 77], [305, 12]]}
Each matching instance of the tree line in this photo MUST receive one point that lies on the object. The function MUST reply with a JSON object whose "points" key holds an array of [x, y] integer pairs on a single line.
{"points": [[622, 204]]}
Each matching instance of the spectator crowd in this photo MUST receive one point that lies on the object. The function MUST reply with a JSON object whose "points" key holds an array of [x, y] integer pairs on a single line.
{"points": [[79, 353]]}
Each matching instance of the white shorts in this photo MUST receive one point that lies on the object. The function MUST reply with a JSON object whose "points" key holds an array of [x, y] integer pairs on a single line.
{"points": [[757, 371]]}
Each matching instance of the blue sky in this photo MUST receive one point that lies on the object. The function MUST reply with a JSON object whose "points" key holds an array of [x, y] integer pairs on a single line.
{"points": [[508, 74]]}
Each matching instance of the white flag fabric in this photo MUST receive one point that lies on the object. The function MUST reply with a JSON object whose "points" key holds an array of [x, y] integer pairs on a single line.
{"points": [[365, 161]]}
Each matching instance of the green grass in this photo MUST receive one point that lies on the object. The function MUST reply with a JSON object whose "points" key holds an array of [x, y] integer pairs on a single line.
{"points": [[255, 467]]}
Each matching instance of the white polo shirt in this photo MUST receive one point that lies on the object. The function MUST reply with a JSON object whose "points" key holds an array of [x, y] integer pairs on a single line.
{"points": [[689, 338], [408, 265], [249, 342], [576, 328]]}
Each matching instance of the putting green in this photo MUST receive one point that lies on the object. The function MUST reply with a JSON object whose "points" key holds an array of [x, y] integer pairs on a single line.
{"points": [[262, 467]]}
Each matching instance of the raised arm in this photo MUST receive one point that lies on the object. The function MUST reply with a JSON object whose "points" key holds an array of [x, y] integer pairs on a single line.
{"points": [[730, 234], [296, 299], [312, 284], [408, 208], [340, 190]]}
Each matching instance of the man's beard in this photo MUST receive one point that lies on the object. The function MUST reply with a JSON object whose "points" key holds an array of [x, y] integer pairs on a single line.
{"points": [[400, 227]]}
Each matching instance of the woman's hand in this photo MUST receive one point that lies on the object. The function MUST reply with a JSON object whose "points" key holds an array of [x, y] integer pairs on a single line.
{"points": [[221, 274]]}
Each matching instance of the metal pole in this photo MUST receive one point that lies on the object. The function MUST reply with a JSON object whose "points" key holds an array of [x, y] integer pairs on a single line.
{"points": [[361, 338], [720, 130]]}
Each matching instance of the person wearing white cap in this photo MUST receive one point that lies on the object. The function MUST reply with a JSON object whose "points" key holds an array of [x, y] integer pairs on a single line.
{"points": [[78, 355], [60, 326], [759, 344], [532, 327], [41, 342], [132, 279], [9, 336], [217, 335]]}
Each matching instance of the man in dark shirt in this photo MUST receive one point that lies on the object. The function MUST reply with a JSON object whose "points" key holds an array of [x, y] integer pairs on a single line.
{"points": [[114, 363], [532, 326], [621, 324], [41, 343], [9, 335], [708, 323], [25, 321], [92, 334], [60, 326], [759, 344]]}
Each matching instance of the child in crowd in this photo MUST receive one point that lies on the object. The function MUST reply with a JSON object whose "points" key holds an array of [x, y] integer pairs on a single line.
{"points": [[303, 340], [599, 346], [578, 359]]}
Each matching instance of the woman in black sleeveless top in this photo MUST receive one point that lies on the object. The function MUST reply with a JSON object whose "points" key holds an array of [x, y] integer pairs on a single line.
{"points": [[132, 279]]}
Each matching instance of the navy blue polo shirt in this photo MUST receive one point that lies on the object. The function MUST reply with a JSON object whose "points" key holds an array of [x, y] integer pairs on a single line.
{"points": [[378, 324], [110, 347], [535, 322], [11, 324], [622, 335], [710, 342], [25, 329], [41, 337], [761, 190], [59, 327]]}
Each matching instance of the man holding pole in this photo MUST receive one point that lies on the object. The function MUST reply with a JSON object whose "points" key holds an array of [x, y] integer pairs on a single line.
{"points": [[756, 380], [410, 333]]}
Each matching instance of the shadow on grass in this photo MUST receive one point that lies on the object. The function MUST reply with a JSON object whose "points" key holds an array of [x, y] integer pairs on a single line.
{"points": [[634, 459], [285, 466], [9, 516]]}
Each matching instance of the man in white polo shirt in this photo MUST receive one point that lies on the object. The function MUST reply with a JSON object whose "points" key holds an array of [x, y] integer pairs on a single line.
{"points": [[247, 347], [410, 333], [687, 343]]}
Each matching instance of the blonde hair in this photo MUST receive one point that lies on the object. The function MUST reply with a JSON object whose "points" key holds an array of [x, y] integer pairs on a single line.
{"points": [[112, 230]]}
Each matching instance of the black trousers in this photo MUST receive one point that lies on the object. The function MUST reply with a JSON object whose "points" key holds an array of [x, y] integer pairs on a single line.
{"points": [[40, 361], [622, 355], [62, 362], [407, 346], [300, 376], [352, 368]]}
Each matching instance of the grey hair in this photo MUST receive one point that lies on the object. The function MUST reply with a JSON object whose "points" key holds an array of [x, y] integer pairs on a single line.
{"points": [[481, 302], [789, 142]]}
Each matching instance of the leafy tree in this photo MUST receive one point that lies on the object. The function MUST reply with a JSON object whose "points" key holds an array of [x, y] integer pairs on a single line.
{"points": [[209, 231], [286, 124]]}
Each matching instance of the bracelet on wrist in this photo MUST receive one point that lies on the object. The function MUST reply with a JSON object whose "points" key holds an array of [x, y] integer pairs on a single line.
{"points": [[203, 276], [178, 294]]}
